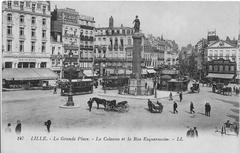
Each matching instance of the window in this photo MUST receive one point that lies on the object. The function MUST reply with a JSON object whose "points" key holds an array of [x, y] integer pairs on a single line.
{"points": [[220, 68], [227, 68], [15, 3], [33, 32], [129, 41], [33, 46], [39, 6], [43, 21], [21, 46], [9, 45], [232, 68], [128, 32], [44, 9], [53, 48], [32, 64], [9, 30], [43, 65], [9, 17], [33, 20], [9, 4], [21, 31], [27, 3], [44, 34], [65, 31], [8, 64], [53, 61], [75, 32], [43, 47], [33, 7], [123, 31], [21, 18], [22, 5], [215, 68]]}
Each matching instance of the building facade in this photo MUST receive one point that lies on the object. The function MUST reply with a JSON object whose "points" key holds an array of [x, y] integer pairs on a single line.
{"points": [[75, 32], [87, 36], [26, 34], [227, 53], [113, 48]]}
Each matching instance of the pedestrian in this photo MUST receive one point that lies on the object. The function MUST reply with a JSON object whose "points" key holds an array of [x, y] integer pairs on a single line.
{"points": [[18, 128], [206, 109], [48, 124], [195, 132], [175, 108], [8, 128], [189, 132], [209, 109], [90, 104], [180, 96], [191, 108], [55, 90], [170, 96]]}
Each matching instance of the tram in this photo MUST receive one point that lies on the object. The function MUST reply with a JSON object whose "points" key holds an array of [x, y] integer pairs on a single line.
{"points": [[79, 86]]}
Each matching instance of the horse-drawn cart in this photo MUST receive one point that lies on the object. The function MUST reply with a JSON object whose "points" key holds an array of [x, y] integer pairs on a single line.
{"points": [[111, 105], [195, 88], [117, 107], [155, 108]]}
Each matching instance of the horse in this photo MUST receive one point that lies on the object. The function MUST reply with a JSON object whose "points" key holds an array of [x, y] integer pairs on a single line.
{"points": [[99, 101]]}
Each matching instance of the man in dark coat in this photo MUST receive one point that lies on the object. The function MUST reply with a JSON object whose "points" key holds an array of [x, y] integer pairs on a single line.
{"points": [[180, 96], [206, 109], [90, 104], [18, 128], [191, 108], [195, 132], [175, 107], [48, 124], [209, 109]]}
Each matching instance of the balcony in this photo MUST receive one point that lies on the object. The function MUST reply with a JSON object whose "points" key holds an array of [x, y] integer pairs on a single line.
{"points": [[22, 37], [86, 38], [71, 35], [70, 47], [87, 27], [82, 47]]}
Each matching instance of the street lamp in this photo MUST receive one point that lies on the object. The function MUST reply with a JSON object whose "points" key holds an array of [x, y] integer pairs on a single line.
{"points": [[70, 94]]}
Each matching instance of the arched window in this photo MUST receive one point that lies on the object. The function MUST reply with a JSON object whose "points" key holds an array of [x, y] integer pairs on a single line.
{"points": [[9, 17], [21, 18]]}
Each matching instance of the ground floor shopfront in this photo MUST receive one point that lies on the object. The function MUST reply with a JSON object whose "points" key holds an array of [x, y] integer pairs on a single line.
{"points": [[27, 77]]}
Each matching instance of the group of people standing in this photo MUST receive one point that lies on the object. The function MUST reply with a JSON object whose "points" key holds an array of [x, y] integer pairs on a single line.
{"points": [[192, 132], [18, 128]]}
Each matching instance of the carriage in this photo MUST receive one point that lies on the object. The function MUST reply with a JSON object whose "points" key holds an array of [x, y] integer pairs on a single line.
{"points": [[111, 105], [228, 128], [117, 107], [155, 108], [195, 88], [221, 89]]}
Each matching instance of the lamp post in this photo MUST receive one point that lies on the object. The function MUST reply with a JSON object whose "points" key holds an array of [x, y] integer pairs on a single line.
{"points": [[70, 94]]}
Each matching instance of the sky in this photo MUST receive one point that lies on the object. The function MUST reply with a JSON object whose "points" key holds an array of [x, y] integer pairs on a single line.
{"points": [[184, 22]]}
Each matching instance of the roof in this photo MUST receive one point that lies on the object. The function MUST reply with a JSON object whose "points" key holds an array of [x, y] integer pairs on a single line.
{"points": [[221, 76], [29, 74]]}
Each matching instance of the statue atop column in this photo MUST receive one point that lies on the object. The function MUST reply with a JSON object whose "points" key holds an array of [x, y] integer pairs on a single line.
{"points": [[136, 24]]}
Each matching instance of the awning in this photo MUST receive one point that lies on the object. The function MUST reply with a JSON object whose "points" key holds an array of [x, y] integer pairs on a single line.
{"points": [[128, 72], [28, 74], [89, 73], [110, 71], [144, 71], [151, 71], [166, 77], [221, 76], [121, 71]]}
